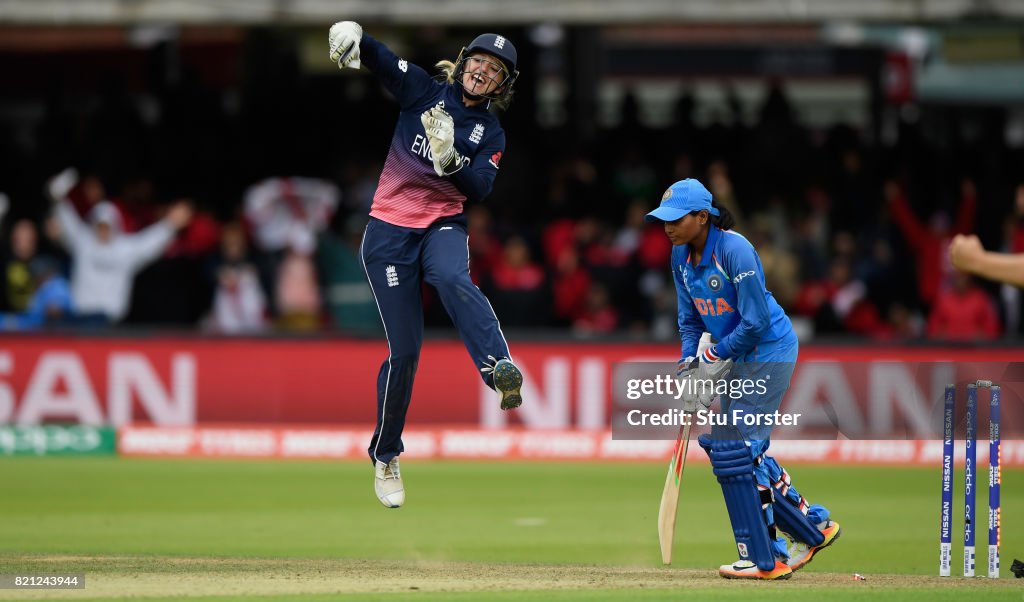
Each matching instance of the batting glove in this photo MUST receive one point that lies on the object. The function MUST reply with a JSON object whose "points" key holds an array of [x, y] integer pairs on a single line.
{"points": [[686, 367], [687, 370], [440, 129], [712, 368], [344, 38]]}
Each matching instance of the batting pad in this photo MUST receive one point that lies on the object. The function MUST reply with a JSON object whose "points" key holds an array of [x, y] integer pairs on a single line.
{"points": [[790, 519], [734, 468]]}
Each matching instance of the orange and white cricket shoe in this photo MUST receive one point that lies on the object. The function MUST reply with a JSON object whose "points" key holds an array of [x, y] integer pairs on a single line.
{"points": [[745, 569], [800, 553]]}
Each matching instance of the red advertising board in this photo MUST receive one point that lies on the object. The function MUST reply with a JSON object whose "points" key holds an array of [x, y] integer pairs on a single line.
{"points": [[184, 381]]}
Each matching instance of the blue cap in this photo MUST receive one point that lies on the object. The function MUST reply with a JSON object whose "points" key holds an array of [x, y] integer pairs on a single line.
{"points": [[685, 196]]}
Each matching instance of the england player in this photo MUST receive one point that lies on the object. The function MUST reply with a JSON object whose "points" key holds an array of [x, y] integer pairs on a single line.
{"points": [[720, 285], [445, 152], [967, 254]]}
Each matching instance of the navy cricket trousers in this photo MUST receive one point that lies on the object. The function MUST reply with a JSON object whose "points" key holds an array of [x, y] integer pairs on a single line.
{"points": [[397, 261]]}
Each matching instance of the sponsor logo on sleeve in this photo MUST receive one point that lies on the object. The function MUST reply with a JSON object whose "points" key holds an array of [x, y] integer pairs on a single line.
{"points": [[495, 159], [739, 277]]}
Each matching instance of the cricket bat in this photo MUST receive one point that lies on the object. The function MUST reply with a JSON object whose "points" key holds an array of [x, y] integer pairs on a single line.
{"points": [[670, 496]]}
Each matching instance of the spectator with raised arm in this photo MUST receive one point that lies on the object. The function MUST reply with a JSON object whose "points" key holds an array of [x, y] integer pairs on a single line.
{"points": [[285, 214], [104, 258], [928, 242]]}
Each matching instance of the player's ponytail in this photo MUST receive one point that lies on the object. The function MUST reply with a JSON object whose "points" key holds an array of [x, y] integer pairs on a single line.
{"points": [[724, 220], [447, 69]]}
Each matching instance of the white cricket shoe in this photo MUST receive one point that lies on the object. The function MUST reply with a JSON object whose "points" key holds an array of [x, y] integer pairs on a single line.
{"points": [[387, 483]]}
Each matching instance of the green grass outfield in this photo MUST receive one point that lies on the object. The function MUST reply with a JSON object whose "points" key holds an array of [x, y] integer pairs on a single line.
{"points": [[290, 530]]}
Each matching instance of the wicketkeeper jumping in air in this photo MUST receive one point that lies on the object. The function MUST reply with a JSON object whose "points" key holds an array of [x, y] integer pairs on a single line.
{"points": [[445, 151], [720, 285]]}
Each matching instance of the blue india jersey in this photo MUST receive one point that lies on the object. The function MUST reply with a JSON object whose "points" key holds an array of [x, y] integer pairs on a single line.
{"points": [[725, 295]]}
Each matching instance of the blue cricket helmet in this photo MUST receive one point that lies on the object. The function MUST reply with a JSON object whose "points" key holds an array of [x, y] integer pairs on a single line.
{"points": [[499, 46], [502, 48]]}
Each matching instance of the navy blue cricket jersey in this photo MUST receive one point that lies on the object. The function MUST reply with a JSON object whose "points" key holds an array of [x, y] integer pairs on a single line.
{"points": [[410, 193]]}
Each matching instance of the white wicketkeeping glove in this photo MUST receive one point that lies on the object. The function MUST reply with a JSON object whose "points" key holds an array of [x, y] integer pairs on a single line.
{"points": [[440, 129], [686, 371], [344, 38]]}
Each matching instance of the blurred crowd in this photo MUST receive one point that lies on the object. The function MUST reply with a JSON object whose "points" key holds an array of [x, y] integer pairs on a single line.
{"points": [[190, 218]]}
